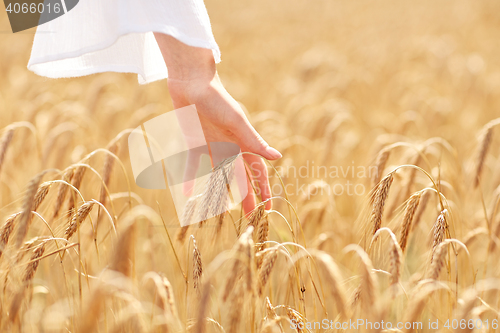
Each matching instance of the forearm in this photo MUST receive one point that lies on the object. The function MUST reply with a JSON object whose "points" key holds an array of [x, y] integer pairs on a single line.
{"points": [[184, 62]]}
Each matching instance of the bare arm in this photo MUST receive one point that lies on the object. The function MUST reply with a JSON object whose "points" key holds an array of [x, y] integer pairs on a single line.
{"points": [[193, 79]]}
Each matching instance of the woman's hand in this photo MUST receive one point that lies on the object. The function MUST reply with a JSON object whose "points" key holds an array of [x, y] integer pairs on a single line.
{"points": [[193, 79]]}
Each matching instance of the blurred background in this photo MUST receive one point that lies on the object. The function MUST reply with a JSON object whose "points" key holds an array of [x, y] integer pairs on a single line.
{"points": [[328, 82]]}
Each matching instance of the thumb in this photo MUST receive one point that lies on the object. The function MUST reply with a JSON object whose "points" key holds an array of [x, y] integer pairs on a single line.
{"points": [[249, 138]]}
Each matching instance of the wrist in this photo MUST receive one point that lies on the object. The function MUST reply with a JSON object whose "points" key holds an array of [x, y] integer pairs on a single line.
{"points": [[194, 91], [184, 62]]}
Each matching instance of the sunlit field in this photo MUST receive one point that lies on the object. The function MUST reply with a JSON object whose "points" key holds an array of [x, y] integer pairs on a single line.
{"points": [[386, 202]]}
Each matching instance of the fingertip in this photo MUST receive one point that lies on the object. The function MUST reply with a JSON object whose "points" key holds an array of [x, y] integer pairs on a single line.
{"points": [[273, 154], [266, 195], [248, 203]]}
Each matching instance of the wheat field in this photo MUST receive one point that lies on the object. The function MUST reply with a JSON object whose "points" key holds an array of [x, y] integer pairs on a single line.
{"points": [[386, 114]]}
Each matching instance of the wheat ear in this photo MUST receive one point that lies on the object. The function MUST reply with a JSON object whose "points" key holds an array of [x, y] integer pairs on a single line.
{"points": [[439, 231], [413, 174], [109, 162], [334, 279], [197, 267], [410, 209], [78, 218], [379, 198], [181, 235], [61, 193], [424, 200], [123, 257], [262, 237], [41, 193], [34, 262], [4, 144], [256, 215], [484, 145], [297, 318], [76, 182], [270, 311], [395, 255], [170, 296], [236, 310], [238, 250], [28, 205], [380, 163], [6, 231], [265, 270], [200, 325], [438, 257], [415, 307]]}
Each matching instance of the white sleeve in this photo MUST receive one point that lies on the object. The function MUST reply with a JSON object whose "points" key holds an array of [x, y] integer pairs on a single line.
{"points": [[117, 36]]}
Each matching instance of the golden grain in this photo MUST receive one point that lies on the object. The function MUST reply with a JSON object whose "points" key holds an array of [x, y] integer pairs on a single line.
{"points": [[409, 213], [379, 198]]}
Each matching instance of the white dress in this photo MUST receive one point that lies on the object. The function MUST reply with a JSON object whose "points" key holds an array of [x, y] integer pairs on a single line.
{"points": [[117, 36]]}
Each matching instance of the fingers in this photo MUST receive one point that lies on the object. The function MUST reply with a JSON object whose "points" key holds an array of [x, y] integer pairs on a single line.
{"points": [[249, 202], [192, 165], [252, 141], [260, 177]]}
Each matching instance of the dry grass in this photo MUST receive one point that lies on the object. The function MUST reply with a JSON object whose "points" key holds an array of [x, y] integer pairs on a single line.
{"points": [[331, 84]]}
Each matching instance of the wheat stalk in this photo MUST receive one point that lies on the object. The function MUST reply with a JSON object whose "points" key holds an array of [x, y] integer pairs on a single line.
{"points": [[200, 326], [15, 304], [89, 319]]}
